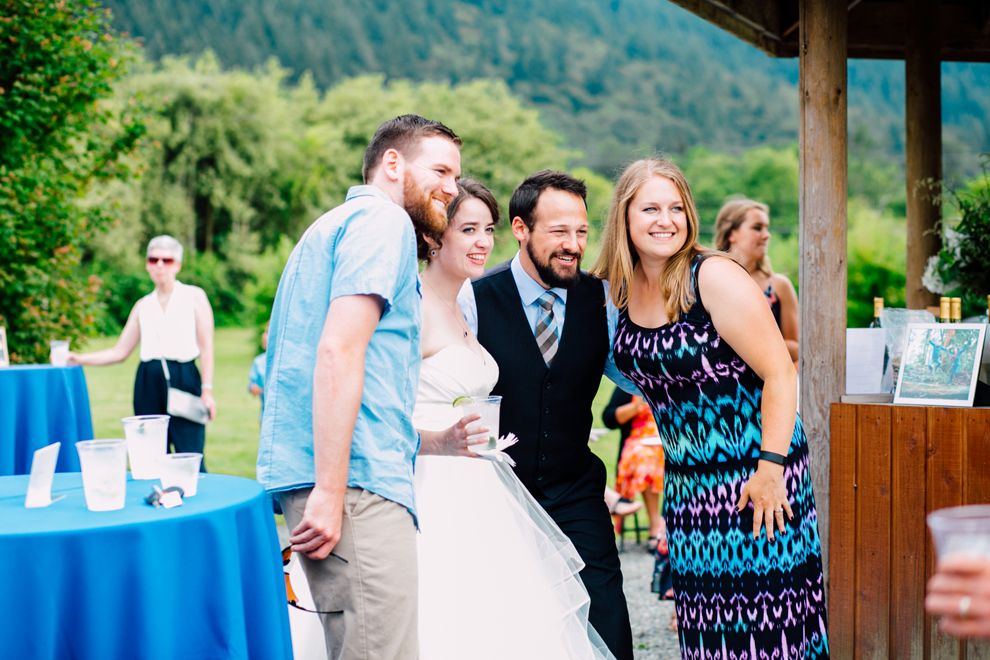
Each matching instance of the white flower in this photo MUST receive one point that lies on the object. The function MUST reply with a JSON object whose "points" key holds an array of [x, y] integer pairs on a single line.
{"points": [[932, 279]]}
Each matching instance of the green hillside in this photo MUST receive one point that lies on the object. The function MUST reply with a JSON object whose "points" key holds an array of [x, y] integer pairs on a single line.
{"points": [[613, 77]]}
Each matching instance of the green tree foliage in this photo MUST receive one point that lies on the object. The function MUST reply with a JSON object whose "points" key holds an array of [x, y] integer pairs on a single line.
{"points": [[236, 161], [57, 136], [766, 174], [612, 77]]}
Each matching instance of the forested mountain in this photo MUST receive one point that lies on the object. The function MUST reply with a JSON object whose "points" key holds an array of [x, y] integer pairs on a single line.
{"points": [[613, 76]]}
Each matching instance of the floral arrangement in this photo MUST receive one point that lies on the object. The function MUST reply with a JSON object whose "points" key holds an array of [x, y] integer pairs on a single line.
{"points": [[963, 264]]}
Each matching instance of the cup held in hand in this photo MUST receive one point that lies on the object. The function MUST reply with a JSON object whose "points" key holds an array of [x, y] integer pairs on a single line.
{"points": [[961, 530]]}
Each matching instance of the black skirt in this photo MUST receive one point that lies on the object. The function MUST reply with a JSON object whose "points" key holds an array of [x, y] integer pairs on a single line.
{"points": [[151, 398]]}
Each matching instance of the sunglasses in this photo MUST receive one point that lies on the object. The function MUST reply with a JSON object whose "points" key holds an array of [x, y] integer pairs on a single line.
{"points": [[289, 593], [168, 261]]}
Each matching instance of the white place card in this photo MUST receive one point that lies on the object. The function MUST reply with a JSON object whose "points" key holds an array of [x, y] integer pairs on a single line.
{"points": [[864, 360], [39, 493]]}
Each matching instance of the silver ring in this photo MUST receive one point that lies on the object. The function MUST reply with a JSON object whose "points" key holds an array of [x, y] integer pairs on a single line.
{"points": [[964, 604], [781, 510]]}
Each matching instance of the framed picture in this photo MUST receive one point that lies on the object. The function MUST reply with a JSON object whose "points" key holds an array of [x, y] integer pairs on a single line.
{"points": [[4, 355], [940, 364]]}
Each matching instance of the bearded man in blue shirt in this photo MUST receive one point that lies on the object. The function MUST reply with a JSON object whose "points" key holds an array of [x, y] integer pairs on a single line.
{"points": [[337, 441]]}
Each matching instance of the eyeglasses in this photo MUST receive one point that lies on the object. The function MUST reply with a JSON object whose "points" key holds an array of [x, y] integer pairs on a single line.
{"points": [[289, 593], [168, 261]]}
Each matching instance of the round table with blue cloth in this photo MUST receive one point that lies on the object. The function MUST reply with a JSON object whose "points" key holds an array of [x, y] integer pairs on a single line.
{"points": [[41, 404], [202, 581]]}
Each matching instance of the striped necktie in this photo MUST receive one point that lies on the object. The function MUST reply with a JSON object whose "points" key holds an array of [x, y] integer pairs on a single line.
{"points": [[546, 327]]}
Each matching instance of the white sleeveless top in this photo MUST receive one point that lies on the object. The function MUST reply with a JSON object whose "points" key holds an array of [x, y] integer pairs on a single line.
{"points": [[169, 333]]}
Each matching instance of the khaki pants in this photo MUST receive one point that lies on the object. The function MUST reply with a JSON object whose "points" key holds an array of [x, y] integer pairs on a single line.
{"points": [[369, 585]]}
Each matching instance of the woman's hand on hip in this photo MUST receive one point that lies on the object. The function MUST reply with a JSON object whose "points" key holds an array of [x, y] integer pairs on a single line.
{"points": [[768, 494], [210, 404]]}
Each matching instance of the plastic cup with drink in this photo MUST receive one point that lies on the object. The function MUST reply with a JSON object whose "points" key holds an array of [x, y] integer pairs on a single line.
{"points": [[147, 442], [180, 470], [488, 408], [104, 473], [961, 530], [59, 356]]}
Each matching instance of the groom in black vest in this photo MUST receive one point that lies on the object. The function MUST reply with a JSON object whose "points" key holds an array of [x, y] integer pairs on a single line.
{"points": [[543, 320]]}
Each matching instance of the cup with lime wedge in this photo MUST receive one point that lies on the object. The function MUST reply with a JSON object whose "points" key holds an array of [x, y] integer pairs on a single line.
{"points": [[488, 408]]}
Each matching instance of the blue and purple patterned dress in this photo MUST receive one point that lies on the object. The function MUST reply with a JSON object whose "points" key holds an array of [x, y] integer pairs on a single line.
{"points": [[736, 598]]}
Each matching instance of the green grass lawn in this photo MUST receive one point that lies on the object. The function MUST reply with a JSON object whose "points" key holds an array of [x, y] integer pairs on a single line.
{"points": [[232, 439]]}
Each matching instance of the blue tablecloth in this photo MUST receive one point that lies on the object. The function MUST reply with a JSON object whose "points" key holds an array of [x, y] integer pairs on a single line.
{"points": [[41, 404], [202, 581]]}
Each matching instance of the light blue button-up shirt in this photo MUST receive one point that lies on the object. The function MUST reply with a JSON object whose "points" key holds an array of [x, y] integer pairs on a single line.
{"points": [[365, 246], [529, 291]]}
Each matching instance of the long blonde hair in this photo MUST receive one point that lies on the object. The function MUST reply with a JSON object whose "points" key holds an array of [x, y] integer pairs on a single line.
{"points": [[618, 256], [730, 218]]}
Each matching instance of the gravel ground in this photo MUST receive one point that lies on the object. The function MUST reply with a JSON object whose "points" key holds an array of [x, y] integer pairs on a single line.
{"points": [[648, 615]]}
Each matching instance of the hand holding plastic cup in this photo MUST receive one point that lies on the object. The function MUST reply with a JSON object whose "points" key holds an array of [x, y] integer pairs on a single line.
{"points": [[59, 356], [104, 473], [147, 442], [961, 530], [488, 407], [180, 470]]}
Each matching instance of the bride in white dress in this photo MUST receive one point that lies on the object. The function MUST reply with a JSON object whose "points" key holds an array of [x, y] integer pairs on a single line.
{"points": [[497, 577]]}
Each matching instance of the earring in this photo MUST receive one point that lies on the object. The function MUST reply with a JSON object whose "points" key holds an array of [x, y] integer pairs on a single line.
{"points": [[433, 253]]}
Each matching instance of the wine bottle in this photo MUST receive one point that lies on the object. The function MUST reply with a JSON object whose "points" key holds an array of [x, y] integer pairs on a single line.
{"points": [[877, 308], [943, 309], [956, 310]]}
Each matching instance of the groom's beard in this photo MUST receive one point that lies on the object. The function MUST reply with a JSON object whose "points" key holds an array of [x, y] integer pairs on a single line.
{"points": [[551, 276], [426, 217]]}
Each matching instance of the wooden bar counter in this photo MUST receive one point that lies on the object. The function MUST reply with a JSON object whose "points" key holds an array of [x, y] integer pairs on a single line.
{"points": [[890, 466]]}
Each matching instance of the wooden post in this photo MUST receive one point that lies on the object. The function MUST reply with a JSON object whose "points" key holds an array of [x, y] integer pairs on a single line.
{"points": [[922, 73], [824, 144]]}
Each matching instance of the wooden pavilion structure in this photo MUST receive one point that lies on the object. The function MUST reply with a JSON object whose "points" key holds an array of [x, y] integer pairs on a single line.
{"points": [[876, 469]]}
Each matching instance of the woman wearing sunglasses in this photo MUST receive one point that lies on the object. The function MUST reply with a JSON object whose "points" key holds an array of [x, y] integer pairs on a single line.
{"points": [[173, 323]]}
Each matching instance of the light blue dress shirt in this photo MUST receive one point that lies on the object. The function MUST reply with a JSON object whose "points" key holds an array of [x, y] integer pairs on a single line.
{"points": [[366, 246], [529, 291]]}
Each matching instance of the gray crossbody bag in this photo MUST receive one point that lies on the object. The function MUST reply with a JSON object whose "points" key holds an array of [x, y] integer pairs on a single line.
{"points": [[183, 404]]}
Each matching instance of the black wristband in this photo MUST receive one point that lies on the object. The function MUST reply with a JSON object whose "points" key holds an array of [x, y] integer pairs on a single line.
{"points": [[773, 457]]}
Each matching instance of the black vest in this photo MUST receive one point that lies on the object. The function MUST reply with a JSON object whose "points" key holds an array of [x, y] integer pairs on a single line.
{"points": [[549, 410]]}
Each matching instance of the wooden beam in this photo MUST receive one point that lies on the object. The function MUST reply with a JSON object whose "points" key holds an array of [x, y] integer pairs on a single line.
{"points": [[755, 22], [823, 190], [923, 117]]}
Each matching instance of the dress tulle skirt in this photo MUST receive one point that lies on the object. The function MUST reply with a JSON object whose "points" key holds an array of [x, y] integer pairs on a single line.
{"points": [[497, 577]]}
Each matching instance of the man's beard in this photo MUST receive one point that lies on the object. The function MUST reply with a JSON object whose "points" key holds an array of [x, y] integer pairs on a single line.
{"points": [[546, 271], [425, 216]]}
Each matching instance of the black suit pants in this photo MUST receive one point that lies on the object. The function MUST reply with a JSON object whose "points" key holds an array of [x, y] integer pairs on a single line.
{"points": [[583, 516]]}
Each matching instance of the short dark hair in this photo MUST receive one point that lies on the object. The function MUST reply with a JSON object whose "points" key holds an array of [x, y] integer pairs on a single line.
{"points": [[466, 189], [402, 134], [527, 194]]}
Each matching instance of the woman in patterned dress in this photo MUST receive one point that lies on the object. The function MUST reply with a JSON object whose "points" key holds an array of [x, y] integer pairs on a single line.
{"points": [[742, 228], [694, 333]]}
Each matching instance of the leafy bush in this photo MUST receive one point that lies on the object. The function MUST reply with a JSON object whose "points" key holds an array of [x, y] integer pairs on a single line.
{"points": [[962, 267], [59, 62]]}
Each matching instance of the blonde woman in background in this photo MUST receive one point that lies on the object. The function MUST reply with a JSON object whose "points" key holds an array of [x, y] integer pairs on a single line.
{"points": [[742, 229]]}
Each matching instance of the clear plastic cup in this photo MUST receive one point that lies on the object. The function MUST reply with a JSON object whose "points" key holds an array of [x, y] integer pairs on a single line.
{"points": [[104, 473], [59, 356], [180, 470], [961, 530], [147, 442], [488, 408]]}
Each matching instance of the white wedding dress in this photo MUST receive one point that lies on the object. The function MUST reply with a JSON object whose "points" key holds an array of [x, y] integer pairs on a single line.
{"points": [[497, 578]]}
